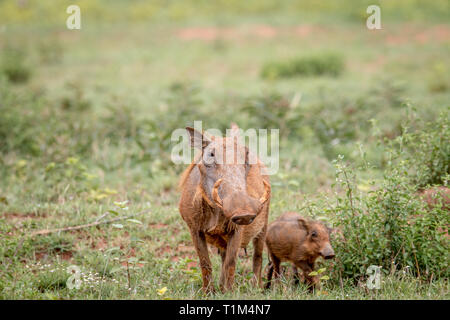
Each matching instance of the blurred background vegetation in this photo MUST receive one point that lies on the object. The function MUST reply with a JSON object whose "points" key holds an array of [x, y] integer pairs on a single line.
{"points": [[102, 11], [86, 118]]}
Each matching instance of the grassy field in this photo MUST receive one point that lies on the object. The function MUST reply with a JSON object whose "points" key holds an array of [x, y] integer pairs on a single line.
{"points": [[86, 118]]}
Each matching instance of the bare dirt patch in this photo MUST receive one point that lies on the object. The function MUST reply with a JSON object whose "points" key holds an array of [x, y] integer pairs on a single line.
{"points": [[99, 244], [65, 255], [164, 250], [420, 35], [436, 195], [407, 33], [16, 216], [18, 220], [236, 33], [178, 252], [158, 225]]}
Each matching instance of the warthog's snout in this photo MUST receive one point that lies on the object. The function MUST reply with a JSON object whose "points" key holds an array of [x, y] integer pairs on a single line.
{"points": [[244, 219], [327, 252], [238, 206]]}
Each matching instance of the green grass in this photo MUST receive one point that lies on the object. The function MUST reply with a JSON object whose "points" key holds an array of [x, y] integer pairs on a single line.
{"points": [[91, 126], [316, 65]]}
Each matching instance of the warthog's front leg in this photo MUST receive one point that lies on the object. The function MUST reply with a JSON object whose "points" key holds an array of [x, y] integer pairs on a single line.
{"points": [[201, 247], [229, 263]]}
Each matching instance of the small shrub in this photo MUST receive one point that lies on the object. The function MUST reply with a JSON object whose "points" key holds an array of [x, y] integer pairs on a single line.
{"points": [[323, 64], [338, 121], [180, 107], [75, 100], [392, 226], [389, 92], [273, 111], [50, 51], [51, 280], [19, 127], [13, 65], [428, 153], [438, 79]]}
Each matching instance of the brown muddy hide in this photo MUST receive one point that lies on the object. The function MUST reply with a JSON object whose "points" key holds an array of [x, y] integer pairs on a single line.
{"points": [[300, 241], [318, 238], [224, 166], [313, 235]]}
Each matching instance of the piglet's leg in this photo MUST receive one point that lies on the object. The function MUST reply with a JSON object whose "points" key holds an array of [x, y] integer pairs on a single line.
{"points": [[269, 275], [274, 269], [307, 268], [296, 275]]}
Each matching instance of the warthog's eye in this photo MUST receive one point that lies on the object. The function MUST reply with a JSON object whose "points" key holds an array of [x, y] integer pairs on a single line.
{"points": [[208, 158]]}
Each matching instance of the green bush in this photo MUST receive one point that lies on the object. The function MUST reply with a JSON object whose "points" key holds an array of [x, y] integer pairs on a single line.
{"points": [[75, 99], [438, 78], [273, 111], [428, 153], [13, 65], [338, 121], [19, 126], [33, 125], [391, 226], [315, 65], [50, 51]]}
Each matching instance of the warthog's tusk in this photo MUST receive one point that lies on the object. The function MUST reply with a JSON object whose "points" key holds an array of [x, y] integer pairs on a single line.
{"points": [[266, 194], [215, 193]]}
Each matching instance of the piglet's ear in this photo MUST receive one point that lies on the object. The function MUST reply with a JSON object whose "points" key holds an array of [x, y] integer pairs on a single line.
{"points": [[304, 224], [198, 139]]}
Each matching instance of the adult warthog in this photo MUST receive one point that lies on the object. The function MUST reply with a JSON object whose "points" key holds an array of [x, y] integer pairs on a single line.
{"points": [[225, 202]]}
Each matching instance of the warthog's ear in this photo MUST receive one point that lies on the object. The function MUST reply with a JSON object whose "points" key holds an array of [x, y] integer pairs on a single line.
{"points": [[234, 130], [198, 139], [303, 223]]}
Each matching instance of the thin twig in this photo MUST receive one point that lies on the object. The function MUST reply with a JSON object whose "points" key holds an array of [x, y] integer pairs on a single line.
{"points": [[350, 196], [128, 276], [102, 216], [417, 265]]}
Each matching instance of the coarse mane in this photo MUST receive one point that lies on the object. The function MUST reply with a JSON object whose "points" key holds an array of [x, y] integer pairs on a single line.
{"points": [[185, 175], [199, 191]]}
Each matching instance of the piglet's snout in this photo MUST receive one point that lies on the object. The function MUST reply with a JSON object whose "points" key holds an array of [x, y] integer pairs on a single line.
{"points": [[327, 252]]}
